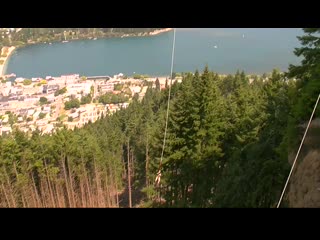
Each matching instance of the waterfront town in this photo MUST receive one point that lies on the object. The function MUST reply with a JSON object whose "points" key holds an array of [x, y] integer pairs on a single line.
{"points": [[51, 103]]}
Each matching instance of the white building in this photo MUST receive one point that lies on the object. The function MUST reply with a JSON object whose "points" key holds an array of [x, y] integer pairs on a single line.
{"points": [[5, 91], [74, 115], [5, 119], [46, 109], [36, 115], [123, 105], [90, 113], [37, 79], [16, 90], [5, 130], [78, 88], [107, 87], [135, 90], [48, 129], [30, 112], [71, 78], [120, 75], [31, 100], [19, 80]]}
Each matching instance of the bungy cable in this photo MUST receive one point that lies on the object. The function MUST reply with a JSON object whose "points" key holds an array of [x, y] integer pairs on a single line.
{"points": [[158, 177], [295, 160]]}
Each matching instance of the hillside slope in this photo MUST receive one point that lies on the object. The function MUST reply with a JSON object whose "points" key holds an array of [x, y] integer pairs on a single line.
{"points": [[304, 188]]}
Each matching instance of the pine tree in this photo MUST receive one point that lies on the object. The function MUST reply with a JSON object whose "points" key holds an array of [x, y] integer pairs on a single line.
{"points": [[157, 84]]}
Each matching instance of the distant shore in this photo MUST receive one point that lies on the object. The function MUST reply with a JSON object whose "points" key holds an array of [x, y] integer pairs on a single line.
{"points": [[5, 59], [12, 48], [157, 32]]}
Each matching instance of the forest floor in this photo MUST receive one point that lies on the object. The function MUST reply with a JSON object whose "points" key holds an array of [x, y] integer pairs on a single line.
{"points": [[136, 195]]}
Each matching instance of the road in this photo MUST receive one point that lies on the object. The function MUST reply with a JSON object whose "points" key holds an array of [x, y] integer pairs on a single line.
{"points": [[59, 104]]}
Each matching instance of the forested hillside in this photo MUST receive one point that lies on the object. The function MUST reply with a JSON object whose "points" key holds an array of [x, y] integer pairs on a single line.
{"points": [[228, 145], [221, 149], [304, 188], [20, 37]]}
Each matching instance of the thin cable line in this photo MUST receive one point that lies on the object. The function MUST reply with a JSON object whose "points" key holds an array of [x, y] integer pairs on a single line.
{"points": [[295, 160], [168, 107]]}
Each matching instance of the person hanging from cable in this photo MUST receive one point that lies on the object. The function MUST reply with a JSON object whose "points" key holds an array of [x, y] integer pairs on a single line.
{"points": [[158, 178]]}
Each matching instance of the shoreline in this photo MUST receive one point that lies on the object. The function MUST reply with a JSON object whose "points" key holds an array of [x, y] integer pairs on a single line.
{"points": [[157, 32], [5, 60], [128, 35], [12, 48]]}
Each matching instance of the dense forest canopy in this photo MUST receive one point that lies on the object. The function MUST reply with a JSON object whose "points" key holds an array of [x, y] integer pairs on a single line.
{"points": [[227, 145]]}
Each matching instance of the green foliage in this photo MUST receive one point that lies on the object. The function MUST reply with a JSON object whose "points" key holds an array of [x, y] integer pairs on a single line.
{"points": [[307, 90], [224, 142], [86, 99], [113, 98], [79, 156], [118, 87], [194, 140], [127, 91], [43, 82], [70, 119], [27, 82], [73, 103], [227, 141], [60, 91], [138, 76], [12, 119], [43, 100], [157, 84], [42, 115], [91, 91], [256, 171]]}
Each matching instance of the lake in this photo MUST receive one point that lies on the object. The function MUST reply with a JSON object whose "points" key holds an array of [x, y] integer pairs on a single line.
{"points": [[225, 50]]}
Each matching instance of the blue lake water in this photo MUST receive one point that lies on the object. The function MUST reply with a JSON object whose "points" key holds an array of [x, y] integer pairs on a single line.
{"points": [[225, 50]]}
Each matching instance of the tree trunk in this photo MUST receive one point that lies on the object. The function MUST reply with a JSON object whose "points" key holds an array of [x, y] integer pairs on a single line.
{"points": [[115, 182], [132, 164], [59, 199], [66, 180], [72, 189], [6, 196], [11, 189], [129, 177], [49, 184], [147, 163], [101, 199], [82, 193], [38, 200], [108, 191]]}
